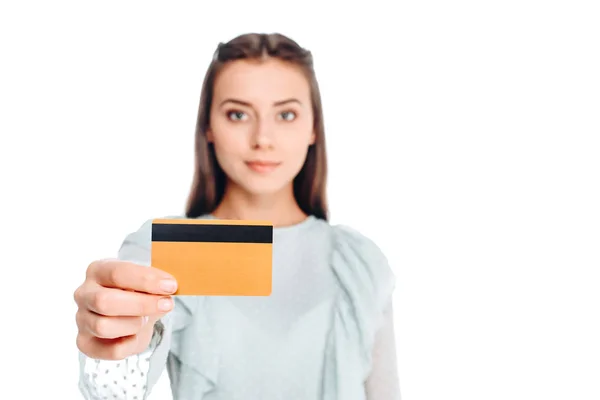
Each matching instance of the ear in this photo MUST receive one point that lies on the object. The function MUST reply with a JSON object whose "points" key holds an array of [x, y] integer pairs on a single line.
{"points": [[209, 135], [313, 138]]}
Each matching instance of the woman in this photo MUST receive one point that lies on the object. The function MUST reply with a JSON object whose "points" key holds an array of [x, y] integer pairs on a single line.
{"points": [[325, 332]]}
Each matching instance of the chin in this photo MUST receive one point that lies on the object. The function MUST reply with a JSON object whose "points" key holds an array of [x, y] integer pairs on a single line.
{"points": [[264, 188], [262, 185]]}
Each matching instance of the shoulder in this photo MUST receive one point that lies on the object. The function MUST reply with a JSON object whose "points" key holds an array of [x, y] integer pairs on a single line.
{"points": [[362, 266], [143, 233], [137, 243], [360, 246]]}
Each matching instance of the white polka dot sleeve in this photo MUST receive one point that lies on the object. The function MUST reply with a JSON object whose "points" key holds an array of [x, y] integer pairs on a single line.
{"points": [[118, 380]]}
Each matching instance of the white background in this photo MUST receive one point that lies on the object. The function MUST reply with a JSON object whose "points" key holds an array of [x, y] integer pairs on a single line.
{"points": [[463, 138]]}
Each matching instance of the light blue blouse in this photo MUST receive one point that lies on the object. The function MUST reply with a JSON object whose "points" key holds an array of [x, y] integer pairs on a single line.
{"points": [[312, 339]]}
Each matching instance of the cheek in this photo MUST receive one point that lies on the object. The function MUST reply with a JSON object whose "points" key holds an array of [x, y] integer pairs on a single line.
{"points": [[229, 143], [295, 150]]}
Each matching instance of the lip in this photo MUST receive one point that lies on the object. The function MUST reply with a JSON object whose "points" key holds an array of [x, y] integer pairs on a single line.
{"points": [[262, 166]]}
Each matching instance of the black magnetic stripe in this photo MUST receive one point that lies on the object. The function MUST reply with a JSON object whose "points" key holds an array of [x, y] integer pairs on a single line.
{"points": [[212, 233]]}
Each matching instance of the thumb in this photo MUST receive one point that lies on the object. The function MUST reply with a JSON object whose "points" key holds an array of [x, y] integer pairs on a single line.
{"points": [[144, 336], [149, 321]]}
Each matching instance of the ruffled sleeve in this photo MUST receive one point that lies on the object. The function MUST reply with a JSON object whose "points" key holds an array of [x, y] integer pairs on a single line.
{"points": [[366, 284]]}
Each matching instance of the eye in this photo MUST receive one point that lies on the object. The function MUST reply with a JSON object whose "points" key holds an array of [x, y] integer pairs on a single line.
{"points": [[288, 115], [236, 115]]}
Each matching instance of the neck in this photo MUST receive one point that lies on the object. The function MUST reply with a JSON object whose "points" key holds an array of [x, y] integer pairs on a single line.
{"points": [[281, 208]]}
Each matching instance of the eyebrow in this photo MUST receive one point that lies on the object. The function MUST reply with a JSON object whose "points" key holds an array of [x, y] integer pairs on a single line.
{"points": [[244, 103]]}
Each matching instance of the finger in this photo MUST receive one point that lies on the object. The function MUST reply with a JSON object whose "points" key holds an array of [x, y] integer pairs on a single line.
{"points": [[116, 302], [130, 276], [107, 349], [104, 327]]}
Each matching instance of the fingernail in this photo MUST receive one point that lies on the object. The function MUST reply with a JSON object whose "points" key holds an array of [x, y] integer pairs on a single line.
{"points": [[168, 286], [144, 320], [165, 304]]}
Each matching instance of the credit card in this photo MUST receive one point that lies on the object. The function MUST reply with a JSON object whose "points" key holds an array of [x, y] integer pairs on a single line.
{"points": [[210, 257]]}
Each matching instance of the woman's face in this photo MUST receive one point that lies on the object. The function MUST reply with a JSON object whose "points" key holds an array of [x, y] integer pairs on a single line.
{"points": [[261, 124]]}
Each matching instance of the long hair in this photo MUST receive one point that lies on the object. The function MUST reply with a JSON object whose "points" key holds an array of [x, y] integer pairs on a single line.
{"points": [[208, 184]]}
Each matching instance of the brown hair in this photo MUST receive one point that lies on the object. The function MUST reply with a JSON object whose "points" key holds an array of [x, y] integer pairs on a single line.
{"points": [[208, 185]]}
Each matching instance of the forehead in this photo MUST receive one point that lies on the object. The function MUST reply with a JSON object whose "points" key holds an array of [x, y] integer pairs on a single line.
{"points": [[261, 81]]}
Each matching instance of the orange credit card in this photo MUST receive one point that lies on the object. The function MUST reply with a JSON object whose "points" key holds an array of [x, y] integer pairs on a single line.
{"points": [[211, 257]]}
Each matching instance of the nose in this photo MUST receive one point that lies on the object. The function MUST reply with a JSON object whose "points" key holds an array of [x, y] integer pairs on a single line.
{"points": [[263, 136]]}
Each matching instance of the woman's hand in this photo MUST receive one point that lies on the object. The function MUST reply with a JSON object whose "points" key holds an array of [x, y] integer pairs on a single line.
{"points": [[118, 304]]}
